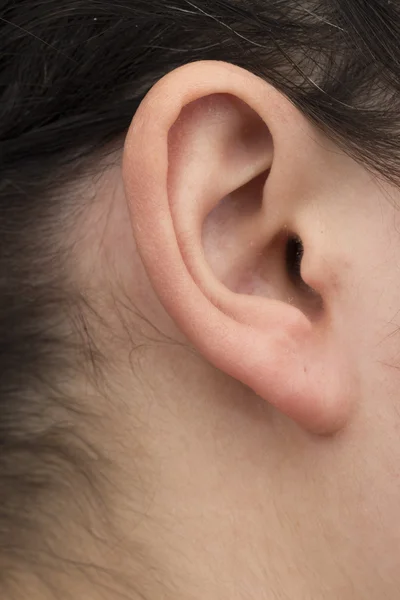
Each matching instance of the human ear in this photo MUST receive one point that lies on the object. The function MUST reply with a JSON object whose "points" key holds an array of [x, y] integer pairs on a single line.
{"points": [[218, 167]]}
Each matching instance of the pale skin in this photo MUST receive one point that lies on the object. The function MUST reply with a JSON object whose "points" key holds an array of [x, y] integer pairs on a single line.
{"points": [[270, 430]]}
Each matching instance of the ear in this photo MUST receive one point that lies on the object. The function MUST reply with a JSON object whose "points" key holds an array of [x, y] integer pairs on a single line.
{"points": [[219, 168]]}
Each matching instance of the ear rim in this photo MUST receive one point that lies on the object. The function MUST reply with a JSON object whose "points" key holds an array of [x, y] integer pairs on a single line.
{"points": [[197, 315], [229, 81]]}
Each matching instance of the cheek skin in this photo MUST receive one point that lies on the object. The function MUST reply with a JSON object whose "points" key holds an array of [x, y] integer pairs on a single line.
{"points": [[369, 310]]}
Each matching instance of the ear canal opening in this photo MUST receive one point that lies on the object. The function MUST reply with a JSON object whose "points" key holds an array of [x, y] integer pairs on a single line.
{"points": [[294, 253], [294, 257]]}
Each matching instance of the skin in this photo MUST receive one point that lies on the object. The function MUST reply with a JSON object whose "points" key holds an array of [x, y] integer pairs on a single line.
{"points": [[261, 416]]}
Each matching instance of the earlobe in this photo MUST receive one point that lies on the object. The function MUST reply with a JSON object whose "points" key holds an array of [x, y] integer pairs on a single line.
{"points": [[205, 170]]}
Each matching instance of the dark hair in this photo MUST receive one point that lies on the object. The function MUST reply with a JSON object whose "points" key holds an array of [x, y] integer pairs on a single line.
{"points": [[72, 74]]}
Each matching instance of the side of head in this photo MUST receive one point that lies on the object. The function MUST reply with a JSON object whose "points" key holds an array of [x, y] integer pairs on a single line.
{"points": [[199, 300]]}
